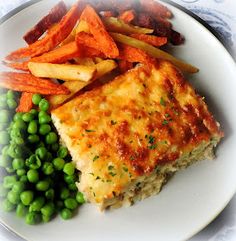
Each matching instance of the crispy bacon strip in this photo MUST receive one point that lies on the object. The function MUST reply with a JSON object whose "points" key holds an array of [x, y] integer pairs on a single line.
{"points": [[127, 16], [106, 44], [151, 39], [54, 16], [25, 82], [26, 103], [52, 39]]}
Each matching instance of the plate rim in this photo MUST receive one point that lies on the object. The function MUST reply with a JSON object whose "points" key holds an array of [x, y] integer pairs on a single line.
{"points": [[200, 22]]}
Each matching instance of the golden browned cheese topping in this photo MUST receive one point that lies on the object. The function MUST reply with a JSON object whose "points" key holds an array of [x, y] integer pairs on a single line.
{"points": [[124, 129]]}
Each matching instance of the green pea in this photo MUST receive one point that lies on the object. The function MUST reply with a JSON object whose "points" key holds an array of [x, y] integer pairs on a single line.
{"points": [[69, 179], [3, 191], [13, 197], [8, 206], [24, 179], [33, 175], [15, 132], [72, 187], [21, 210], [32, 218], [5, 161], [18, 116], [3, 101], [19, 140], [4, 116], [27, 197], [34, 112], [51, 138], [65, 193], [12, 104], [18, 187], [33, 138], [41, 152], [43, 185], [10, 170], [80, 198], [36, 99], [27, 117], [71, 203], [18, 163], [66, 213], [44, 129], [37, 204], [32, 127], [69, 168], [62, 152], [58, 163], [20, 172], [19, 124], [54, 147], [44, 118], [43, 105], [48, 157], [49, 194], [4, 138], [9, 181], [15, 151], [5, 150], [48, 209], [48, 168], [10, 94], [33, 162], [46, 218]]}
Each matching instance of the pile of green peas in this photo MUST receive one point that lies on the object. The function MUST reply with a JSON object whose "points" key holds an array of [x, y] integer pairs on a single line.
{"points": [[37, 175]]}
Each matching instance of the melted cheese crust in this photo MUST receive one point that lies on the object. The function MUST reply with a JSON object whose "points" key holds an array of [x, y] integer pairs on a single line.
{"points": [[148, 117]]}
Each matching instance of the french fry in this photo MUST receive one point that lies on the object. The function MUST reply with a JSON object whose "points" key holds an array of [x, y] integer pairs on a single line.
{"points": [[119, 26], [26, 103], [154, 52], [155, 8], [106, 44], [104, 67], [67, 72], [25, 82], [54, 16], [85, 61], [150, 39], [52, 39], [127, 16]]}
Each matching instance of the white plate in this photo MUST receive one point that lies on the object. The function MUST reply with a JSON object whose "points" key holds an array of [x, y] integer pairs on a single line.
{"points": [[193, 197]]}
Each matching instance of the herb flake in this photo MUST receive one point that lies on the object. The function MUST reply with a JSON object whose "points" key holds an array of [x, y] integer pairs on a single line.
{"points": [[95, 158], [88, 130], [162, 102]]}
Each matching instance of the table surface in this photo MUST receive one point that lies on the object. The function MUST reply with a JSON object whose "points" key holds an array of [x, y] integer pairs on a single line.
{"points": [[221, 16]]}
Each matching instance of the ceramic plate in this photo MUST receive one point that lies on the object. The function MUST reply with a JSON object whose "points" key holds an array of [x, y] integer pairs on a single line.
{"points": [[193, 197]]}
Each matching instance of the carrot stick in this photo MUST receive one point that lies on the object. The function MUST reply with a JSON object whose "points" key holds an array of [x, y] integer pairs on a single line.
{"points": [[53, 38], [106, 44], [151, 39], [54, 16], [25, 82], [127, 16], [26, 103]]}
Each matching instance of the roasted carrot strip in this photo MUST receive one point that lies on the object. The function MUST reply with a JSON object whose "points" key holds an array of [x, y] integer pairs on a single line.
{"points": [[151, 39], [155, 8], [25, 82], [97, 29], [52, 39], [132, 54], [26, 103], [127, 16], [54, 16], [17, 65], [87, 40]]}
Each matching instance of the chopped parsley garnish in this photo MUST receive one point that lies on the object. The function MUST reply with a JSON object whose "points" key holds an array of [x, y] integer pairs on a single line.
{"points": [[152, 147], [162, 101], [110, 167], [95, 158], [113, 122], [112, 174], [87, 130], [91, 173], [151, 139], [125, 169], [165, 122], [167, 115], [132, 158], [98, 177]]}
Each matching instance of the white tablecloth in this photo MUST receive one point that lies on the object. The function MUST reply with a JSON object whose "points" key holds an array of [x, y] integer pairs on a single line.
{"points": [[220, 15]]}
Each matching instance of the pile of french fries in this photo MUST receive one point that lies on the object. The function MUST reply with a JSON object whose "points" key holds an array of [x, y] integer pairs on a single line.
{"points": [[83, 44]]}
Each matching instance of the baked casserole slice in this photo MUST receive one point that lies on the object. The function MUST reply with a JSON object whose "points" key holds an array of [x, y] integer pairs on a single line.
{"points": [[130, 135]]}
